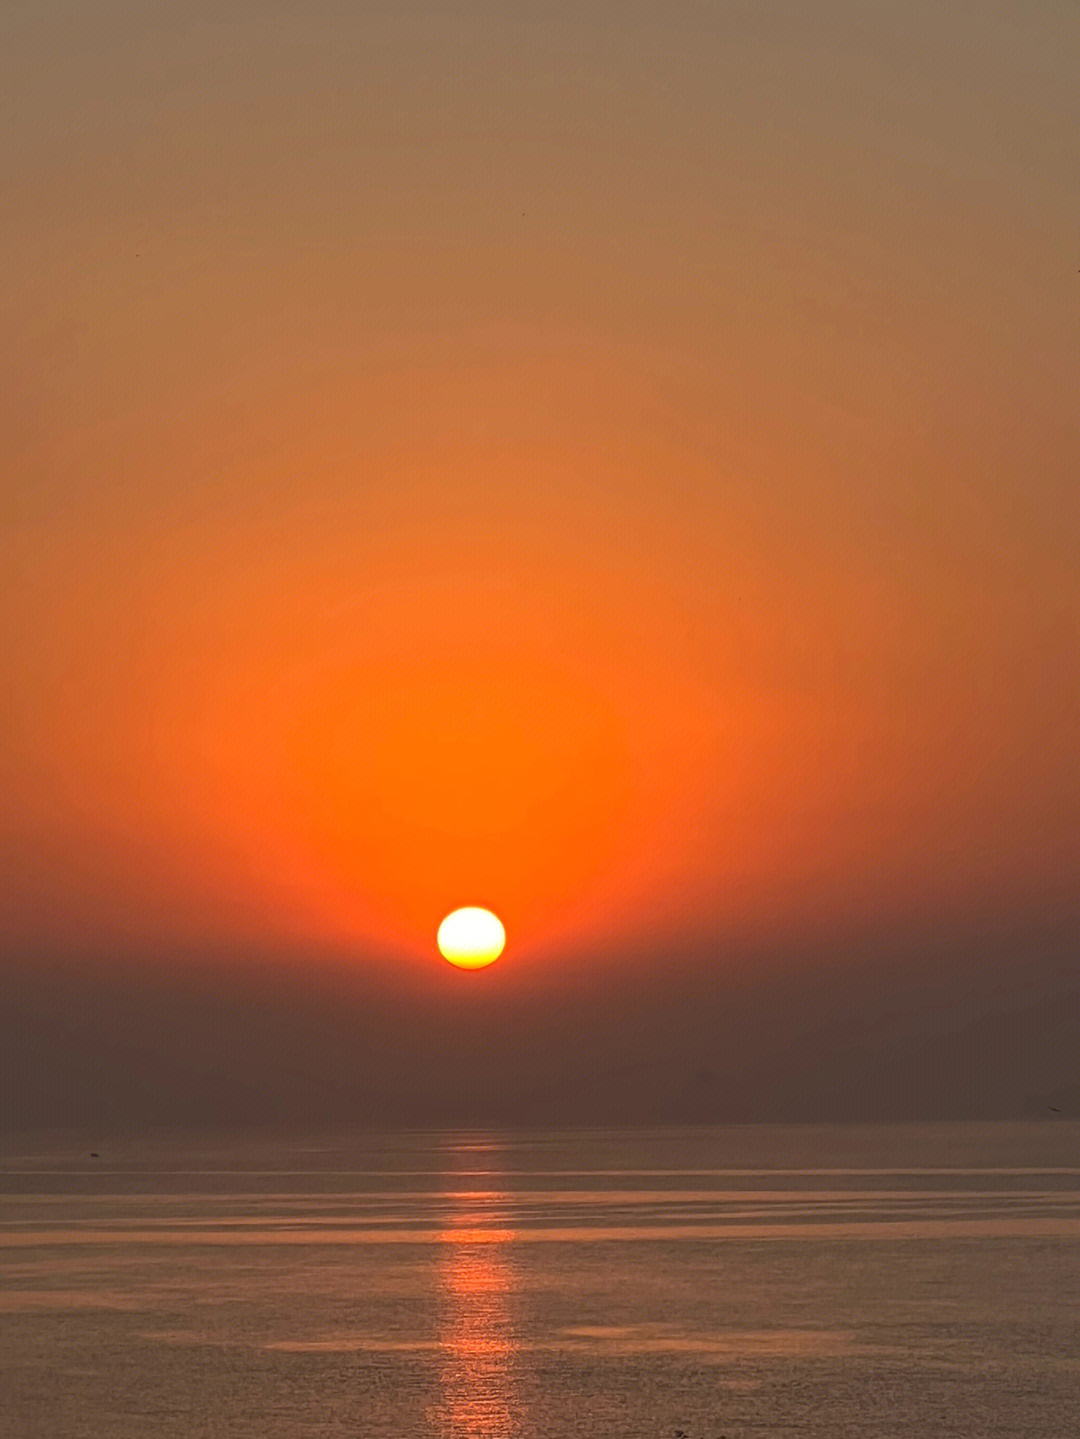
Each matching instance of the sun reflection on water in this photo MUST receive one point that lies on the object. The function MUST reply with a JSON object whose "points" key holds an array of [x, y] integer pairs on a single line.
{"points": [[478, 1334]]}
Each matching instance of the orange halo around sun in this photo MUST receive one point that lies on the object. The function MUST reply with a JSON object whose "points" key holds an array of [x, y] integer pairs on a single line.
{"points": [[471, 938]]}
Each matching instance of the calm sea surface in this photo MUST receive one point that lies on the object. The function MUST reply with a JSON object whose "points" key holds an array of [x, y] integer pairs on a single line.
{"points": [[747, 1282]]}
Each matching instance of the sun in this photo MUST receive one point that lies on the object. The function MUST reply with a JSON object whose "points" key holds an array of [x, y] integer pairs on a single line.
{"points": [[471, 938]]}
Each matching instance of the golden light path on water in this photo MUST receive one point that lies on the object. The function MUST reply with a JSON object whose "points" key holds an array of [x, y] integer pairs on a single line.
{"points": [[478, 1338]]}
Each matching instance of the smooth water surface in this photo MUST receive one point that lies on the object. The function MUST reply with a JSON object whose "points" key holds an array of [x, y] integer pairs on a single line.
{"points": [[746, 1282]]}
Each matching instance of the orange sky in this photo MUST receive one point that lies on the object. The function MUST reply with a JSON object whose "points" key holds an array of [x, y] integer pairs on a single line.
{"points": [[615, 467]]}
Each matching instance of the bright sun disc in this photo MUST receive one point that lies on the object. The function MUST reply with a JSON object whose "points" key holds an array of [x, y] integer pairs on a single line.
{"points": [[471, 938]]}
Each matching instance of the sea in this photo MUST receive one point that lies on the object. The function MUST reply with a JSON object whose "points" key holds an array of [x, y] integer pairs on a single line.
{"points": [[748, 1282]]}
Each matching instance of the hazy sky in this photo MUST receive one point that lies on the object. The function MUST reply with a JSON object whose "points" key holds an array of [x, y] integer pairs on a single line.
{"points": [[613, 463]]}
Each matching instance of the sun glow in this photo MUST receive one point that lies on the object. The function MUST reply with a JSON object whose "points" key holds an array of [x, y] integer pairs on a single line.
{"points": [[471, 938]]}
